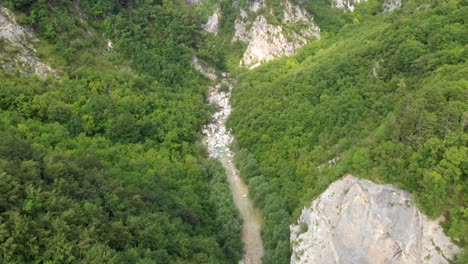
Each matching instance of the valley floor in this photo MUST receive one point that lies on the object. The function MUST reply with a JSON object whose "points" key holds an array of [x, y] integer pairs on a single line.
{"points": [[217, 140]]}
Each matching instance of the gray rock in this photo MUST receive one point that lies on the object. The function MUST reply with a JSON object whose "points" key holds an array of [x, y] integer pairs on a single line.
{"points": [[194, 2], [357, 221], [17, 52], [213, 23], [207, 71], [391, 5], [266, 41], [345, 4], [388, 6]]}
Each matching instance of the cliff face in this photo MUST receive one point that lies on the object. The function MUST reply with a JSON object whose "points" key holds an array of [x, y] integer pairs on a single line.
{"points": [[17, 52], [357, 221], [265, 40], [269, 32], [346, 4], [391, 5]]}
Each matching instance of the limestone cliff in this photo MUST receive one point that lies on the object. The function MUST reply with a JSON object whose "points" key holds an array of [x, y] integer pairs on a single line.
{"points": [[357, 221], [345, 4], [265, 40], [17, 52], [269, 32]]}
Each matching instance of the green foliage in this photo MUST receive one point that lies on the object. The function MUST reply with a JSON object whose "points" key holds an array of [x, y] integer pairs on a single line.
{"points": [[367, 9], [382, 99], [328, 18], [107, 176], [104, 165], [228, 223]]}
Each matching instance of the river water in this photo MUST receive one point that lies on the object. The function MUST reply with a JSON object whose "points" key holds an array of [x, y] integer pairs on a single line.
{"points": [[217, 139]]}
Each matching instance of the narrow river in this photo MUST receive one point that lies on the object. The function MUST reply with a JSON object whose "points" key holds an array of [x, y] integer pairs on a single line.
{"points": [[217, 140]]}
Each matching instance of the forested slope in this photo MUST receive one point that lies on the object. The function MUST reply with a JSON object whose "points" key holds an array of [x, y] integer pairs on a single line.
{"points": [[102, 164], [385, 98]]}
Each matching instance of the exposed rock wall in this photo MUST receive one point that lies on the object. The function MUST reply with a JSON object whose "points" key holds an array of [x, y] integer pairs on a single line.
{"points": [[213, 23], [16, 50], [357, 221], [266, 41], [345, 4], [391, 5]]}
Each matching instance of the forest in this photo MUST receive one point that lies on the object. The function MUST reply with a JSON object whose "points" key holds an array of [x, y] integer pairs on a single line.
{"points": [[381, 96], [104, 164]]}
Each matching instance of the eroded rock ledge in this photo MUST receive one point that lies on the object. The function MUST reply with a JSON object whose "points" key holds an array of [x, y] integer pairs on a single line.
{"points": [[357, 221]]}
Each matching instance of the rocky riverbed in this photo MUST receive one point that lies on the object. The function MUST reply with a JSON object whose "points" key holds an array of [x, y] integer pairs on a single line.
{"points": [[217, 139]]}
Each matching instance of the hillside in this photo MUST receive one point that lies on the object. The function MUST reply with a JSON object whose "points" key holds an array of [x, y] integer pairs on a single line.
{"points": [[107, 109], [100, 160], [383, 97]]}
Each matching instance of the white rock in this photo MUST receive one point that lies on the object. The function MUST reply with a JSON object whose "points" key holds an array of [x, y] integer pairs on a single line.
{"points": [[110, 46], [213, 23], [293, 13], [345, 4], [17, 53], [243, 14], [266, 41], [194, 2], [217, 142], [357, 221], [241, 33], [205, 70], [391, 5], [254, 6]]}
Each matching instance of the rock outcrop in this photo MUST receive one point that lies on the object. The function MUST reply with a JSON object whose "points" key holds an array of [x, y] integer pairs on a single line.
{"points": [[213, 23], [266, 41], [194, 2], [345, 4], [391, 5], [357, 221], [16, 52], [207, 71]]}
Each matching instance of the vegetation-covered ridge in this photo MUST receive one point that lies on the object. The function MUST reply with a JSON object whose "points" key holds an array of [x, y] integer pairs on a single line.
{"points": [[104, 164], [384, 98]]}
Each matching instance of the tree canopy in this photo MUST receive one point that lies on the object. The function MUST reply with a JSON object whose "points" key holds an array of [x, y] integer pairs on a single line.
{"points": [[104, 164], [383, 97]]}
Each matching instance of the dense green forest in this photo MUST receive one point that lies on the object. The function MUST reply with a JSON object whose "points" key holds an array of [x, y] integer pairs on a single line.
{"points": [[103, 164], [382, 96]]}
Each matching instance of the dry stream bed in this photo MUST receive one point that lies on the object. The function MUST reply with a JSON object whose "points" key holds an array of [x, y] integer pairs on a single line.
{"points": [[217, 139]]}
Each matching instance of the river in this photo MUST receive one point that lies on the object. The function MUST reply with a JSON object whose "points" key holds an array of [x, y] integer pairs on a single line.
{"points": [[217, 139]]}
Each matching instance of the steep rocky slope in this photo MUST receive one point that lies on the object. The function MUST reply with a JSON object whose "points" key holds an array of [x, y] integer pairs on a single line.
{"points": [[267, 31], [266, 41], [357, 221], [345, 4], [17, 52]]}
